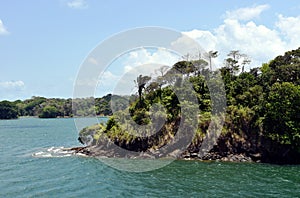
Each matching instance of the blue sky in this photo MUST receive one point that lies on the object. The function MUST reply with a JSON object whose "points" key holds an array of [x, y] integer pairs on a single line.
{"points": [[43, 43]]}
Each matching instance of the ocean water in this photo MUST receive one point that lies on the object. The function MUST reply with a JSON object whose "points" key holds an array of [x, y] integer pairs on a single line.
{"points": [[33, 163]]}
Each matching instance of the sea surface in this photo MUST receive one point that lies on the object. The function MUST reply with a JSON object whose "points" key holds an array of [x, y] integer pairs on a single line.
{"points": [[33, 163]]}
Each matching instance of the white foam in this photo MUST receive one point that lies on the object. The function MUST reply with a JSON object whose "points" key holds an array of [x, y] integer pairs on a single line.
{"points": [[54, 152]]}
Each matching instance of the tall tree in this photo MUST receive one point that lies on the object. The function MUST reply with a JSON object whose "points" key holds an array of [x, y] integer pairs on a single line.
{"points": [[235, 60], [141, 82], [232, 61]]}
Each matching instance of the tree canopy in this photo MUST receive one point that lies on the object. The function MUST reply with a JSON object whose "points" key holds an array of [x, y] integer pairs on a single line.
{"points": [[57, 107], [8, 110]]}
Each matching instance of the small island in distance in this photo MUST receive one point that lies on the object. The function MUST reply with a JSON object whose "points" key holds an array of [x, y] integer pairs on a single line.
{"points": [[262, 115]]}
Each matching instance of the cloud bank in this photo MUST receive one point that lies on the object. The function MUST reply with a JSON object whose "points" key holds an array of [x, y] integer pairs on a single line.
{"points": [[12, 85], [239, 32]]}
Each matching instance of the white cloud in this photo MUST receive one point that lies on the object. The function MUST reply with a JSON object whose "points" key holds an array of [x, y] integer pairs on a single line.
{"points": [[120, 76], [146, 62], [247, 13], [127, 68], [259, 42], [3, 30], [78, 4], [208, 40], [106, 77], [8, 85], [289, 27], [144, 56]]}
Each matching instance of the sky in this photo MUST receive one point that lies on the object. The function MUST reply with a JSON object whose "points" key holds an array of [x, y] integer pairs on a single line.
{"points": [[43, 44]]}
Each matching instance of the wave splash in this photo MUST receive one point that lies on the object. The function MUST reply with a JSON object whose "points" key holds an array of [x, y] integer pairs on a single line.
{"points": [[55, 152]]}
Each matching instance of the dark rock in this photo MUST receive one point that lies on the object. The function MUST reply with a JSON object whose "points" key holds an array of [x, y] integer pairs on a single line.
{"points": [[80, 140], [228, 148]]}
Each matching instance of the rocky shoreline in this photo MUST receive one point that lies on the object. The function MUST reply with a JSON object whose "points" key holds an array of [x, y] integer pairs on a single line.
{"points": [[95, 151], [211, 156], [227, 149]]}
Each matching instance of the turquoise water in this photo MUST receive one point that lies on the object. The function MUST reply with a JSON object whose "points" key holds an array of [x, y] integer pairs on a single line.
{"points": [[32, 164]]}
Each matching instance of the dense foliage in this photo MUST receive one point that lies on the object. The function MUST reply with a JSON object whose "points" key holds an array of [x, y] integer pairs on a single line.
{"points": [[8, 110], [262, 114]]}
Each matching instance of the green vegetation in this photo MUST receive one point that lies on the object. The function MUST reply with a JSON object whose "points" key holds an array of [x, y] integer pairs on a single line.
{"points": [[49, 112], [262, 114], [55, 107], [8, 110]]}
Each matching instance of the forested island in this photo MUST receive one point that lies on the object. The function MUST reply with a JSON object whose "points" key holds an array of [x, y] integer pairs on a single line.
{"points": [[262, 115], [56, 107]]}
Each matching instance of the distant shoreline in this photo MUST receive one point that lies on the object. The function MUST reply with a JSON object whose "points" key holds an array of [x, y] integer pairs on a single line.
{"points": [[60, 108], [67, 117]]}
